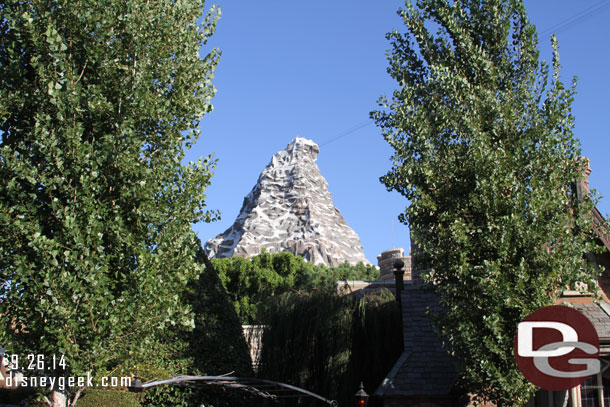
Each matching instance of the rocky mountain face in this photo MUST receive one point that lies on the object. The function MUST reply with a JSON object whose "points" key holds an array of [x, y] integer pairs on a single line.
{"points": [[290, 208]]}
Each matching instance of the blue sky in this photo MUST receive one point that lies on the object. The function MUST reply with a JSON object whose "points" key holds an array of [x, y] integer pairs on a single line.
{"points": [[315, 69]]}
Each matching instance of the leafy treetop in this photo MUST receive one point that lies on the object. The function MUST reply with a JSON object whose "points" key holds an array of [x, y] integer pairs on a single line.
{"points": [[252, 283], [484, 152], [97, 101]]}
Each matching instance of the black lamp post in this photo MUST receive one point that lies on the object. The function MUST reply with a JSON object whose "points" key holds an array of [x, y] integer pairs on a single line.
{"points": [[361, 397], [399, 274], [137, 387]]}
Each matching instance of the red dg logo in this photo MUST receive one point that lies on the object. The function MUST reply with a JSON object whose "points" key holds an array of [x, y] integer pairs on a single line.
{"points": [[557, 348]]}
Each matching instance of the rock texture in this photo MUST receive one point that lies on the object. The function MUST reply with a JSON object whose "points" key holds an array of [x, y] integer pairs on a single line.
{"points": [[290, 208]]}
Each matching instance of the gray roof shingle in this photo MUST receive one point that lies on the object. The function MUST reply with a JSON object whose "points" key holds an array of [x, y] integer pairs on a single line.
{"points": [[424, 368], [598, 316]]}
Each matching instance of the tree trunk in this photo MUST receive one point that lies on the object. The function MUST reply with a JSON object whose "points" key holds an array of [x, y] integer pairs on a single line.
{"points": [[59, 399]]}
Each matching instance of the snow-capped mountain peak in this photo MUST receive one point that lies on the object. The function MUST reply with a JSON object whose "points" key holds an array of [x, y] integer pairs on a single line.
{"points": [[290, 208]]}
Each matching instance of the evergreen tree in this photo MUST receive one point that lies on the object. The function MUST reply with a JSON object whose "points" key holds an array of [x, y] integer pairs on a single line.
{"points": [[97, 101], [484, 152]]}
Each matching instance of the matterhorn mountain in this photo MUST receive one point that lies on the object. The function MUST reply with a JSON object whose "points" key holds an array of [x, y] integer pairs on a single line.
{"points": [[290, 208]]}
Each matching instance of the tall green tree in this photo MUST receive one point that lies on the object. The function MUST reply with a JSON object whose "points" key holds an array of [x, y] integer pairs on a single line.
{"points": [[252, 284], [97, 101], [484, 152]]}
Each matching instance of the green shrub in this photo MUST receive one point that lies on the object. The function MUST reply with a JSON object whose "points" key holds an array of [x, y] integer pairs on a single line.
{"points": [[328, 343], [214, 347], [252, 283], [93, 397]]}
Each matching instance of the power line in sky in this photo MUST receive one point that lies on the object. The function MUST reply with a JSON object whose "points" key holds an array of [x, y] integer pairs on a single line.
{"points": [[576, 18], [347, 132], [556, 28]]}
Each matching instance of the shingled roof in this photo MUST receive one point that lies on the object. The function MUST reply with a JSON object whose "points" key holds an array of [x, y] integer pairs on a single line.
{"points": [[424, 367], [599, 315]]}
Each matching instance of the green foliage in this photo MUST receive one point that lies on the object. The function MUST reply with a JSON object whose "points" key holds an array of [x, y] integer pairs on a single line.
{"points": [[327, 343], [97, 101], [325, 278], [217, 342], [108, 398], [252, 283], [485, 154], [215, 346]]}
